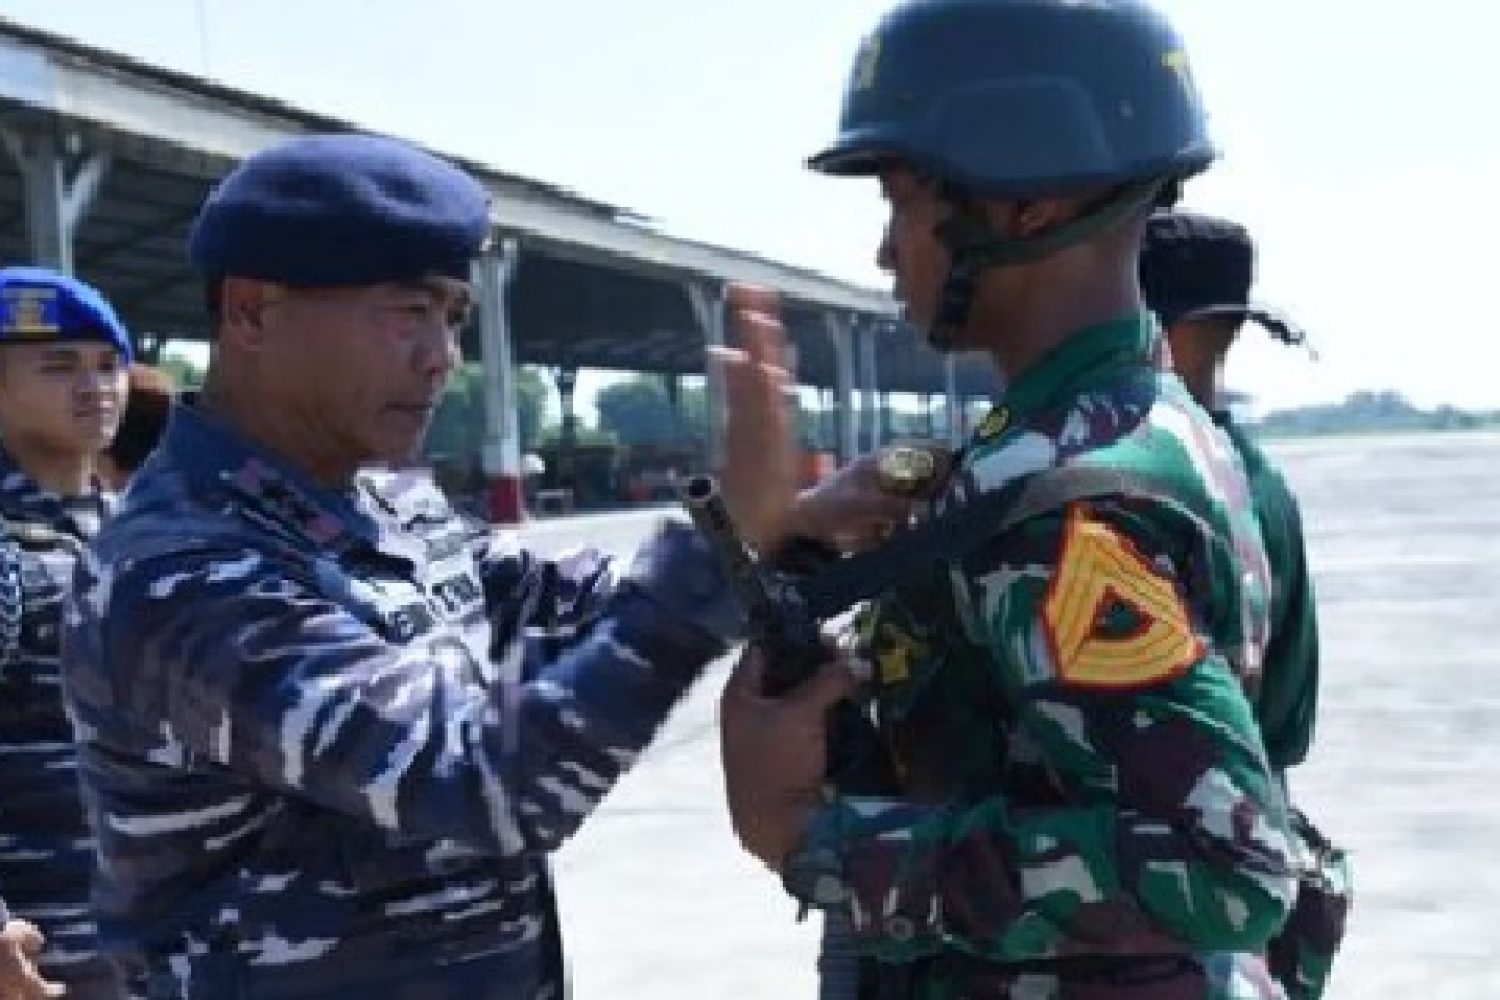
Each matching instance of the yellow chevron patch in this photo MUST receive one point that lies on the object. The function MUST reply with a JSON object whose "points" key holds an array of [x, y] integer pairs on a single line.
{"points": [[1101, 573]]}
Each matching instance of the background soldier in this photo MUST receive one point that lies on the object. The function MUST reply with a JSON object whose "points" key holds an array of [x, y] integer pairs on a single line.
{"points": [[331, 735], [63, 355], [146, 412], [1084, 807], [1197, 272]]}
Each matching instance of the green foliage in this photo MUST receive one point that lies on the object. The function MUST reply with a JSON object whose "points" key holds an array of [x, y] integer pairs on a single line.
{"points": [[458, 428], [1372, 412]]}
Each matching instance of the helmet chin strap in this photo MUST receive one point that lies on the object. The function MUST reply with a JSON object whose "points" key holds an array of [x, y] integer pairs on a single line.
{"points": [[975, 246]]}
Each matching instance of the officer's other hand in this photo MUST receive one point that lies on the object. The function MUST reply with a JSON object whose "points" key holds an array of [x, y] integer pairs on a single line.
{"points": [[773, 752], [852, 509], [20, 943], [759, 480]]}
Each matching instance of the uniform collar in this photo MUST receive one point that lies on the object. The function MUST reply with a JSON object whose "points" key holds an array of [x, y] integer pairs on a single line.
{"points": [[1127, 341], [215, 459], [22, 498]]}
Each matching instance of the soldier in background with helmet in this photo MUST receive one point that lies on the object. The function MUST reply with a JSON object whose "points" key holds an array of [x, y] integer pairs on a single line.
{"points": [[1197, 272], [63, 356], [1083, 805]]}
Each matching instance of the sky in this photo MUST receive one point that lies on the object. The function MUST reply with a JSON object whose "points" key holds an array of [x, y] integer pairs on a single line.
{"points": [[1360, 138]]}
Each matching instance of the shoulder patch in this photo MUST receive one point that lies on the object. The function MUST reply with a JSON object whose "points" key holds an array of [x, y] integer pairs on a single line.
{"points": [[1112, 619]]}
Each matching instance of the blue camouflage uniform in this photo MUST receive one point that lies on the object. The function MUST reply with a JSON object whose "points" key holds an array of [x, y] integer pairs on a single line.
{"points": [[46, 852], [331, 736]]}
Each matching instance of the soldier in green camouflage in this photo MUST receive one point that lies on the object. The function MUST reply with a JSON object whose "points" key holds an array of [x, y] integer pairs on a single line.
{"points": [[1197, 272], [1082, 806]]}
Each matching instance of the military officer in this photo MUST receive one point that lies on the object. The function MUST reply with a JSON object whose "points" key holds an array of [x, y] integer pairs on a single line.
{"points": [[330, 734]]}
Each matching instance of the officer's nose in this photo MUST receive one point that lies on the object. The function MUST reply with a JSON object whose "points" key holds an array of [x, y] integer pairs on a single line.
{"points": [[438, 353], [92, 384]]}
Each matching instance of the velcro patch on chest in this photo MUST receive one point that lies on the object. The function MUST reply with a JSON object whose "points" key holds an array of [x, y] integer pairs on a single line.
{"points": [[1112, 619]]}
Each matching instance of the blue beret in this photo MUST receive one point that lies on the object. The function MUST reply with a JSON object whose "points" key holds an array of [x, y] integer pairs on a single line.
{"points": [[42, 306], [341, 210]]}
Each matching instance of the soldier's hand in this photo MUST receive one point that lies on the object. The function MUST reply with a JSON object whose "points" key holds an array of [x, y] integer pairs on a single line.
{"points": [[759, 480], [774, 753], [852, 509], [20, 943]]}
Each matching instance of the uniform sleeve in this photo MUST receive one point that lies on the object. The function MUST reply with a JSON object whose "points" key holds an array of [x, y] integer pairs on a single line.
{"points": [[1288, 702], [235, 658], [1165, 830], [562, 593], [12, 607], [12, 600]]}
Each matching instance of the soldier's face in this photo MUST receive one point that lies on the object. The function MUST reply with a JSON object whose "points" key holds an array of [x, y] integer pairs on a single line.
{"points": [[61, 398], [910, 250], [368, 365]]}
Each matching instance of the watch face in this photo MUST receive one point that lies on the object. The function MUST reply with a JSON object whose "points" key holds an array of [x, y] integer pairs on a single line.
{"points": [[905, 469]]}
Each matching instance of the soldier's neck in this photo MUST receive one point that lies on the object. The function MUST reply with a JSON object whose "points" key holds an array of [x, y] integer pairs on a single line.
{"points": [[63, 473], [279, 430], [1049, 313], [1203, 382]]}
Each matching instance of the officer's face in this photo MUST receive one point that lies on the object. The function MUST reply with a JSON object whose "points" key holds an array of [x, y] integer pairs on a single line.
{"points": [[61, 398], [909, 249], [367, 366]]}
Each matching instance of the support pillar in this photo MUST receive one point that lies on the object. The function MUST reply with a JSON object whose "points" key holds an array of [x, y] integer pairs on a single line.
{"points": [[870, 387], [846, 382], [671, 384], [955, 405], [708, 302], [57, 194], [566, 379], [500, 458]]}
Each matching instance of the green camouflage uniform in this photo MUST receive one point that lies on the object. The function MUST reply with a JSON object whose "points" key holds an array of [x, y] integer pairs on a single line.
{"points": [[1086, 809], [1287, 702], [1286, 707]]}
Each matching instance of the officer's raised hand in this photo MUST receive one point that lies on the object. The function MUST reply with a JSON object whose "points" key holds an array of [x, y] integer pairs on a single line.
{"points": [[761, 478], [20, 943]]}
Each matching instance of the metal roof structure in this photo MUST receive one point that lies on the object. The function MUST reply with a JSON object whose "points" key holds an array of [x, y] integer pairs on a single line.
{"points": [[138, 147]]}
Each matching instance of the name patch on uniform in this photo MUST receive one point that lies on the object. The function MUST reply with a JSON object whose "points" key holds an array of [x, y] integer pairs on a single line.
{"points": [[1112, 619], [409, 621]]}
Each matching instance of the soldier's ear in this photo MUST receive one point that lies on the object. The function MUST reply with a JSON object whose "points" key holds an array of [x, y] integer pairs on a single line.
{"points": [[1038, 215], [1025, 219], [243, 303]]}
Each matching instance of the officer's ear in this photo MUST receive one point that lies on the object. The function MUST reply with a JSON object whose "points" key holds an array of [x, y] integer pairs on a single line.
{"points": [[242, 308]]}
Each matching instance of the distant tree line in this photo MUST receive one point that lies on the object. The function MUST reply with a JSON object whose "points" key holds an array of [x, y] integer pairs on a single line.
{"points": [[1370, 412]]}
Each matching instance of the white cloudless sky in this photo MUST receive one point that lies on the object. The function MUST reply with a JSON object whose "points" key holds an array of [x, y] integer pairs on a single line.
{"points": [[1360, 138]]}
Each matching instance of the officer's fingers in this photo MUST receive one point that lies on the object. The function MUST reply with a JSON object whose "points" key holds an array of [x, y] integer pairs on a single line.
{"points": [[34, 987], [755, 390], [26, 935], [759, 330], [745, 298]]}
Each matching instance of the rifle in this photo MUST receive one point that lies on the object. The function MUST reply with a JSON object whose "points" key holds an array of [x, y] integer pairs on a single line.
{"points": [[784, 627]]}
